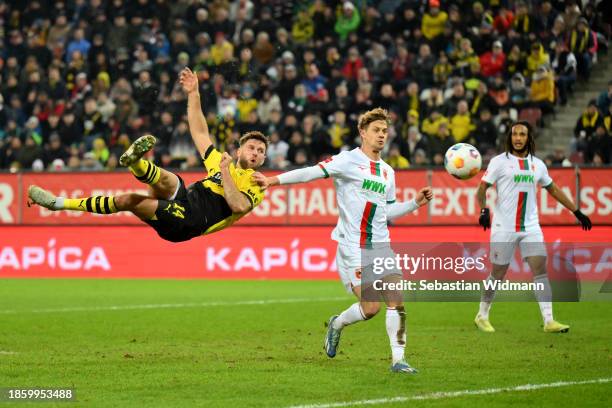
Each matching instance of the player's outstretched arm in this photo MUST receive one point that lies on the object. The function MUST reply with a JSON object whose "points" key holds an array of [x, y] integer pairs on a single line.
{"points": [[400, 209], [485, 217], [567, 202], [197, 122], [291, 177], [237, 201]]}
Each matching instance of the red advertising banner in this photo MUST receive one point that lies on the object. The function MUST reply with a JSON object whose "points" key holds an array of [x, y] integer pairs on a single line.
{"points": [[235, 253], [9, 199], [596, 194], [455, 201], [312, 203], [551, 212]]}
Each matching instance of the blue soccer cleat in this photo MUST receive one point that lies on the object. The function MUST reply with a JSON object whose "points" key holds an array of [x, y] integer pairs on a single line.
{"points": [[332, 338], [403, 367]]}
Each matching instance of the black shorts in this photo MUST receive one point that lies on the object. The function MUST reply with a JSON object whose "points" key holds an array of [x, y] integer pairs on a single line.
{"points": [[193, 210]]}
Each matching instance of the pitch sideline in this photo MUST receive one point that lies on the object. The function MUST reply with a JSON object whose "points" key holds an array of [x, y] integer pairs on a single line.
{"points": [[454, 394], [174, 305]]}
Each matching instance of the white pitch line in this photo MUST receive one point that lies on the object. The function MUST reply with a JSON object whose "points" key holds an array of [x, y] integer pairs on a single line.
{"points": [[7, 353], [454, 394], [173, 305]]}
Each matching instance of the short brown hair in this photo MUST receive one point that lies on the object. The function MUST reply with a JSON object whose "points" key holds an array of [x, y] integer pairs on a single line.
{"points": [[372, 116], [253, 135]]}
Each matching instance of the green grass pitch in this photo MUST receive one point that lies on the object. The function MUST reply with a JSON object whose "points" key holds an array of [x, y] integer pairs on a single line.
{"points": [[210, 344]]}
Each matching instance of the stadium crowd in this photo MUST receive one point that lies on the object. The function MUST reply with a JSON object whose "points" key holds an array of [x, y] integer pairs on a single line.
{"points": [[81, 79]]}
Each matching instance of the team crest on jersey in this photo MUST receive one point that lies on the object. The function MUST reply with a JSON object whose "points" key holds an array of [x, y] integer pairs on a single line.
{"points": [[216, 178], [385, 173]]}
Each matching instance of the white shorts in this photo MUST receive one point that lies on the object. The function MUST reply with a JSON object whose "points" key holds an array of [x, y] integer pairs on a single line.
{"points": [[351, 259], [503, 245]]}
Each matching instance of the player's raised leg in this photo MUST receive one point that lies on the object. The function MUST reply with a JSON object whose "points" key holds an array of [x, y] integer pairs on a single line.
{"points": [[537, 264], [143, 207], [163, 183]]}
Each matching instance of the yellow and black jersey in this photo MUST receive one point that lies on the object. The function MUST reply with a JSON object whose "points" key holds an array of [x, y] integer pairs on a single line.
{"points": [[242, 179], [201, 208]]}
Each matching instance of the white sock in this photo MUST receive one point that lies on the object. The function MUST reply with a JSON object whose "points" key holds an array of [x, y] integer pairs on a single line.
{"points": [[396, 330], [351, 315], [59, 203], [544, 297], [486, 300]]}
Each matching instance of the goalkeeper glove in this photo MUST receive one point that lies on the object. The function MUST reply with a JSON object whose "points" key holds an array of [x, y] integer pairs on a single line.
{"points": [[485, 218], [584, 220]]}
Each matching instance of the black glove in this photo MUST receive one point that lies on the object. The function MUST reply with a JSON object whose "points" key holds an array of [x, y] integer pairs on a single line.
{"points": [[584, 220], [485, 218]]}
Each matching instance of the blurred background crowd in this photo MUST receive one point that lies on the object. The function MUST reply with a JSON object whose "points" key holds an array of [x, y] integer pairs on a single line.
{"points": [[82, 79]]}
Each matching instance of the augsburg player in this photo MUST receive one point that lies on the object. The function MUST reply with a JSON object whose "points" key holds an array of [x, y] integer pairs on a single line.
{"points": [[176, 212], [365, 192], [516, 174]]}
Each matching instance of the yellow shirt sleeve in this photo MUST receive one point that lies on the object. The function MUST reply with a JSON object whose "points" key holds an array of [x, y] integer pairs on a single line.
{"points": [[212, 160]]}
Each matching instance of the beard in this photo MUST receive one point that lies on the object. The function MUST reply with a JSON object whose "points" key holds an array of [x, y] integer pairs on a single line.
{"points": [[243, 163], [520, 151]]}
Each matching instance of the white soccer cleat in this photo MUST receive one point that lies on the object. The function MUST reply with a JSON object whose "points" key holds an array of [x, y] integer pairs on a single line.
{"points": [[41, 197]]}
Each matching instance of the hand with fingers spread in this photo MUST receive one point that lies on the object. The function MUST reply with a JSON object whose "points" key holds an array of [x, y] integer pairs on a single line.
{"points": [[189, 81]]}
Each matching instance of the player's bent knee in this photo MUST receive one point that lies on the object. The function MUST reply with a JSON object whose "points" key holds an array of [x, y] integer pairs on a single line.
{"points": [[370, 309]]}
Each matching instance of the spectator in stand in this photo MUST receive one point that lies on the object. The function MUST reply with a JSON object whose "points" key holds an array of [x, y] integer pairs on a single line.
{"points": [[303, 28], [515, 62], [564, 65], [582, 45], [608, 119], [413, 142], [395, 158], [442, 70], [586, 125], [542, 94], [600, 144], [461, 124], [519, 93], [503, 21], [440, 143], [348, 21], [486, 133], [537, 57], [493, 62], [605, 99], [433, 22], [423, 67], [277, 151]]}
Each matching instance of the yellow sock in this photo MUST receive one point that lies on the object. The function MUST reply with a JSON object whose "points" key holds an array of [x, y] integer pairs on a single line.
{"points": [[96, 204], [146, 171]]}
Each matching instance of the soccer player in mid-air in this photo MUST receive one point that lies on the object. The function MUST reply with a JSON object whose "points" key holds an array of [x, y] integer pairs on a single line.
{"points": [[365, 192], [516, 174], [176, 212]]}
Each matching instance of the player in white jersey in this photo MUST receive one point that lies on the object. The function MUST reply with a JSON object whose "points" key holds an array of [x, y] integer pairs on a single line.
{"points": [[516, 174], [365, 192]]}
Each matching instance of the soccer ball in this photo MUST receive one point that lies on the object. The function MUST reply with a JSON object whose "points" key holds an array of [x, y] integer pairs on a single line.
{"points": [[462, 161]]}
